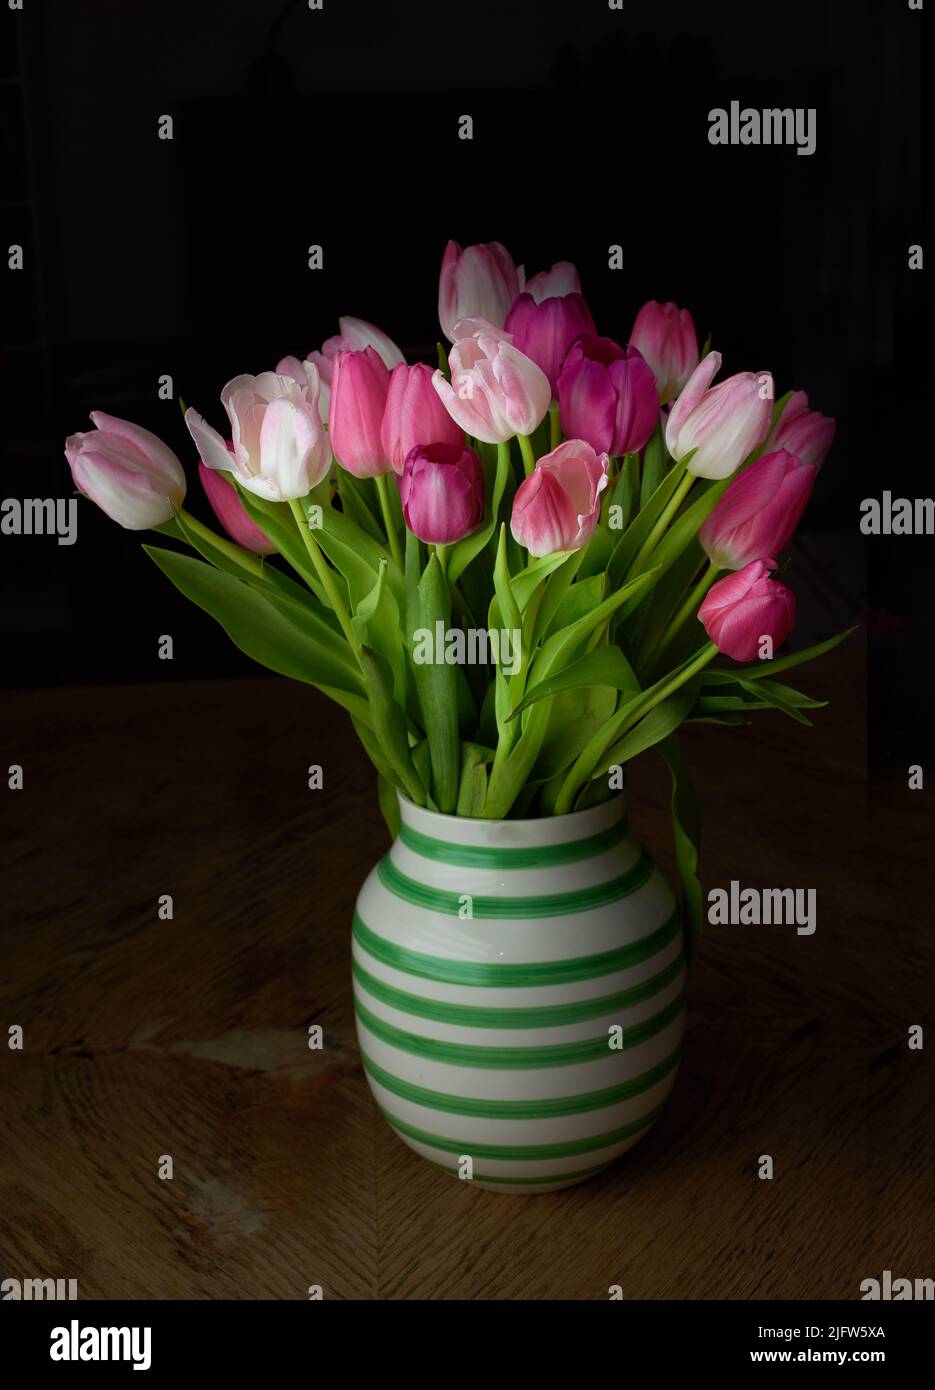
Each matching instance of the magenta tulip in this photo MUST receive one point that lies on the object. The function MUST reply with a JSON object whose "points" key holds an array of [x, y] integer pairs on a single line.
{"points": [[804, 432], [562, 279], [478, 282], [759, 511], [665, 335], [229, 510], [495, 391], [131, 475], [545, 330], [359, 386], [442, 492], [744, 608], [557, 506], [414, 415], [724, 424], [607, 395]]}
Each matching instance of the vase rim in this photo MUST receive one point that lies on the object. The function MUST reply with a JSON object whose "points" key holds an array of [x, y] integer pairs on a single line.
{"points": [[543, 830]]}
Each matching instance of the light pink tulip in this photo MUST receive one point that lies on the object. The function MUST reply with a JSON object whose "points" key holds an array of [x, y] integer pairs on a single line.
{"points": [[131, 475], [804, 432], [495, 391], [280, 448], [442, 492], [476, 282], [354, 336], [562, 279], [665, 335], [229, 510], [557, 506], [724, 423], [759, 512], [743, 608], [359, 386], [414, 415]]}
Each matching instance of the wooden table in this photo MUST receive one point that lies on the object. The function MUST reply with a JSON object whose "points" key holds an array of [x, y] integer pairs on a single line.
{"points": [[188, 1037]]}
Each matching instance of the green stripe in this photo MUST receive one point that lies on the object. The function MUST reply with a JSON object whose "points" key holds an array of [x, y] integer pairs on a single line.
{"points": [[523, 1182], [518, 1058], [511, 974], [542, 905], [547, 1109], [548, 1016], [509, 856], [519, 1152]]}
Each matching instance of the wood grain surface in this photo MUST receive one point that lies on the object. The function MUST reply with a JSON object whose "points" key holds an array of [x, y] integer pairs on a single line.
{"points": [[188, 1037]]}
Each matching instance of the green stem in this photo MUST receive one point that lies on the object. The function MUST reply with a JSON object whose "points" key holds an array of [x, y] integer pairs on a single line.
{"points": [[688, 608], [555, 427], [244, 558], [655, 535], [323, 571], [441, 555], [391, 536], [525, 448]]}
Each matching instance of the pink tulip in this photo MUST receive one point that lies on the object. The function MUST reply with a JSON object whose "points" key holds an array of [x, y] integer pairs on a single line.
{"points": [[545, 329], [477, 282], [495, 391], [557, 506], [359, 385], [743, 608], [724, 423], [607, 395], [562, 279], [442, 492], [229, 510], [280, 449], [759, 511], [355, 335], [414, 415], [131, 475], [665, 335], [804, 432]]}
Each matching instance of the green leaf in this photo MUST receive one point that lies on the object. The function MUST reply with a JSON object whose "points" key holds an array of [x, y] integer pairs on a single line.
{"points": [[526, 582], [606, 666], [686, 833], [655, 461], [436, 686], [639, 528], [681, 532], [377, 624], [463, 552], [361, 507], [276, 520], [472, 788], [282, 635], [389, 805], [388, 721], [556, 590], [597, 552], [564, 642], [581, 598], [662, 720], [576, 716], [762, 669]]}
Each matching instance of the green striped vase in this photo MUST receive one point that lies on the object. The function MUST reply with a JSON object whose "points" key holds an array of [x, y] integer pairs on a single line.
{"points": [[519, 990]]}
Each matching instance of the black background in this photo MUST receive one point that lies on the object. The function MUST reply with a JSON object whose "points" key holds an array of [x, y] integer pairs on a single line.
{"points": [[340, 128]]}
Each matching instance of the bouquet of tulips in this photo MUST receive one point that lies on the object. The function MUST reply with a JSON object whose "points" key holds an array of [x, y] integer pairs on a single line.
{"points": [[515, 571]]}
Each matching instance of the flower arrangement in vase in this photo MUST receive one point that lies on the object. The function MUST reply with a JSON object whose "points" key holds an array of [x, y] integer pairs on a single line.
{"points": [[516, 572]]}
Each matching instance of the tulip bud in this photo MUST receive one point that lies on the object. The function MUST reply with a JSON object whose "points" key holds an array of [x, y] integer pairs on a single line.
{"points": [[442, 492], [743, 608], [229, 510], [759, 511], [131, 475], [545, 329], [804, 432], [414, 415], [355, 335], [477, 282], [562, 279], [723, 423], [557, 506], [495, 391], [279, 446], [358, 399], [665, 335], [607, 395]]}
